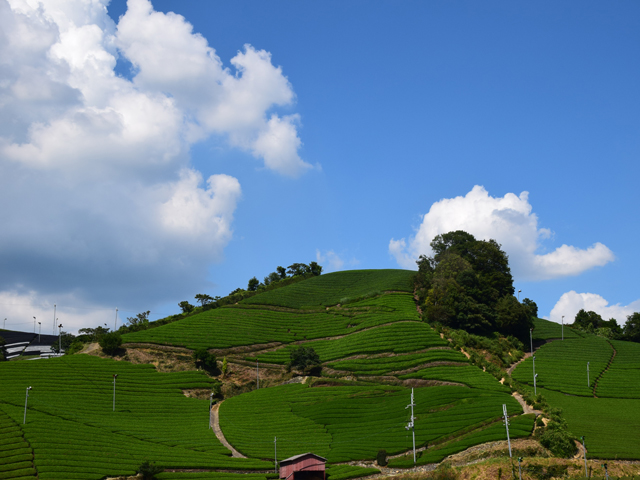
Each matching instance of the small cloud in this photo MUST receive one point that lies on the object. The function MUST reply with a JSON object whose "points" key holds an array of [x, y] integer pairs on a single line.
{"points": [[332, 262], [571, 303], [510, 221]]}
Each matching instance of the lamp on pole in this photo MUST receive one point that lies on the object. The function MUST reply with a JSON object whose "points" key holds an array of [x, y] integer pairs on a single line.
{"points": [[59, 339], [25, 406], [535, 389], [34, 324], [531, 339], [115, 375], [584, 447], [562, 327], [519, 294], [39, 331], [116, 324], [55, 320], [210, 405]]}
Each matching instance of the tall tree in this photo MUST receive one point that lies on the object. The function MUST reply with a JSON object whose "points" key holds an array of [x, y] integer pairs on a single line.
{"points": [[632, 327], [253, 284], [204, 299]]}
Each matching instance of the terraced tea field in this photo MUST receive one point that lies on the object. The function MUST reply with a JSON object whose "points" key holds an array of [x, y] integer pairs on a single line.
{"points": [[465, 374], [74, 433], [622, 379], [562, 365], [547, 330], [250, 324], [610, 425], [386, 365], [334, 288], [350, 423]]}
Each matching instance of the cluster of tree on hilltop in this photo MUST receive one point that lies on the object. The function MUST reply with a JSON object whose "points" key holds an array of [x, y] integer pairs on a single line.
{"points": [[467, 284], [591, 322]]}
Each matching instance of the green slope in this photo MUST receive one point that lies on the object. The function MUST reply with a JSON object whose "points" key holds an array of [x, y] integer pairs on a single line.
{"points": [[351, 423]]}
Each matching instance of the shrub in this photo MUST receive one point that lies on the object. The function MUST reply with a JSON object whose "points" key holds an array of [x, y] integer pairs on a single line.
{"points": [[305, 359], [149, 470], [558, 440], [205, 359], [381, 458], [111, 342]]}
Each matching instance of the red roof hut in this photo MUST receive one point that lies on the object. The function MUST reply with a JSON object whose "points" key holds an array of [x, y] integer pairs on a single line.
{"points": [[307, 466]]}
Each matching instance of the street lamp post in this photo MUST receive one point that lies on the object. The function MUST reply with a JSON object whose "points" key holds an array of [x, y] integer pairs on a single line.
{"points": [[25, 406], [59, 339], [55, 320], [34, 324], [535, 389], [39, 331], [116, 324], [531, 339], [115, 375], [519, 294]]}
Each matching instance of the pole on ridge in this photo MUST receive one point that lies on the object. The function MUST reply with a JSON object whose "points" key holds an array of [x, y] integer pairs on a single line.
{"points": [[25, 406], [115, 327], [584, 447], [506, 424], [54, 318], [412, 426]]}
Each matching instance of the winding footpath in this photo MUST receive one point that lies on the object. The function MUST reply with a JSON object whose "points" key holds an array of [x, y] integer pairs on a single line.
{"points": [[215, 424]]}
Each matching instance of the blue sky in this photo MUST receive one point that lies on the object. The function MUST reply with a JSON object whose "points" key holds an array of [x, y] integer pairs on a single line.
{"points": [[369, 123]]}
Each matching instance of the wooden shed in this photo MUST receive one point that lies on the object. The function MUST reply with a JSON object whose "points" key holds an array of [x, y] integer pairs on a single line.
{"points": [[307, 466]]}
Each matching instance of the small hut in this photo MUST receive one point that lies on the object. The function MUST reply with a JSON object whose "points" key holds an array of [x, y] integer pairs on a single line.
{"points": [[307, 466]]}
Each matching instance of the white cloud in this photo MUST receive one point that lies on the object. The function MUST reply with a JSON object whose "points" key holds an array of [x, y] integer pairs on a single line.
{"points": [[99, 203], [571, 302], [510, 221], [332, 262]]}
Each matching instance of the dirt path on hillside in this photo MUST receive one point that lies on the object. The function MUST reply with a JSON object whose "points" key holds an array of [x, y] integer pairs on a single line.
{"points": [[513, 367], [215, 424], [525, 407]]}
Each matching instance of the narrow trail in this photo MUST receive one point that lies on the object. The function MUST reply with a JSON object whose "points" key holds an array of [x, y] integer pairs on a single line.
{"points": [[595, 384], [215, 424], [525, 407], [513, 367]]}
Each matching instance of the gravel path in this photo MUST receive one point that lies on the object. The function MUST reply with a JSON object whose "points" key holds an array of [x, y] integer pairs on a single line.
{"points": [[215, 424]]}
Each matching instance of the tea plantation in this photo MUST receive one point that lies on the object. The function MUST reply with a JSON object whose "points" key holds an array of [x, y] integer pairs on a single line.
{"points": [[351, 423]]}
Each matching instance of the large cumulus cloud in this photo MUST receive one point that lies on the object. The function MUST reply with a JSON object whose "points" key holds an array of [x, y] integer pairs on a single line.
{"points": [[510, 221], [99, 202]]}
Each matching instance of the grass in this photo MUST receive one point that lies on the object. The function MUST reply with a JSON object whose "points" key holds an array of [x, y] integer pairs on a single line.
{"points": [[468, 374], [352, 423], [547, 330], [74, 433], [334, 288], [396, 338], [562, 365], [622, 379], [610, 425], [249, 324]]}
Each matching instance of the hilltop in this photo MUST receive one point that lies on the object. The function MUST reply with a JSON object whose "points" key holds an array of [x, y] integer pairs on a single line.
{"points": [[374, 349]]}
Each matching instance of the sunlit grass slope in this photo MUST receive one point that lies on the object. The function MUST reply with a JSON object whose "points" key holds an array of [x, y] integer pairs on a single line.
{"points": [[351, 423], [547, 330], [622, 379], [562, 365], [334, 288], [74, 432]]}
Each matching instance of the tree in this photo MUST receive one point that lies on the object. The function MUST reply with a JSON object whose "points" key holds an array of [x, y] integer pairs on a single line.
{"points": [[66, 339], [149, 470], [205, 359], [2, 349], [305, 359], [225, 367], [271, 278], [186, 307], [111, 343], [632, 327], [94, 334], [139, 322], [513, 317], [532, 306], [282, 272], [587, 320], [204, 299], [297, 269], [253, 284], [315, 269]]}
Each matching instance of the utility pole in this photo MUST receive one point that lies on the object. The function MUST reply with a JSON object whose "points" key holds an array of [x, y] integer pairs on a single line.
{"points": [[59, 339], [535, 391], [54, 319], [275, 454], [210, 405], [519, 295], [562, 327], [506, 424], [34, 324], [115, 375], [606, 472], [39, 331], [258, 375], [411, 426], [25, 406], [584, 447], [115, 327], [520, 467]]}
